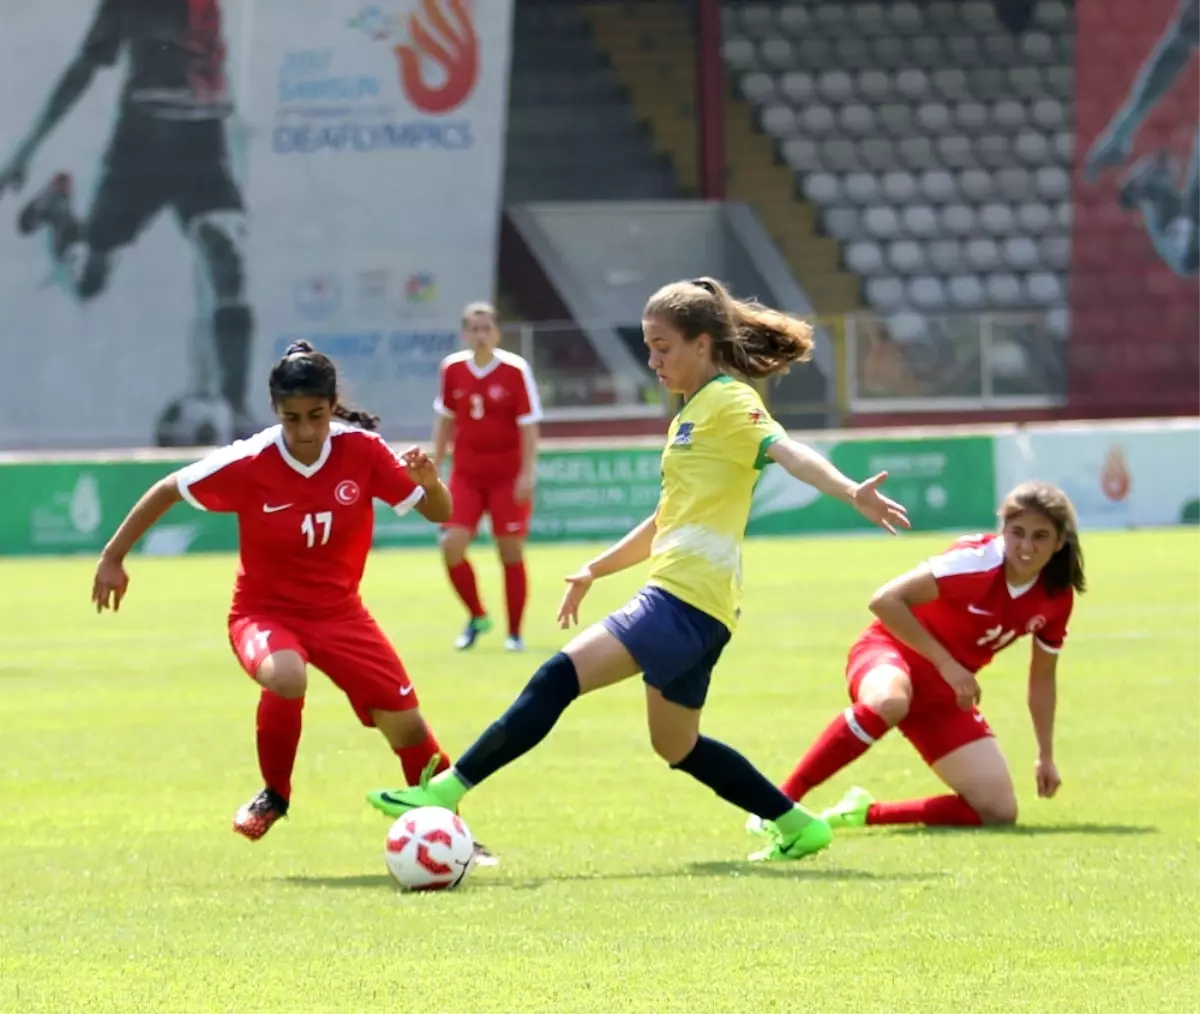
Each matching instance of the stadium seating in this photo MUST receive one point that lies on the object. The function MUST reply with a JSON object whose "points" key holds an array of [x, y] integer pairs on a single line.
{"points": [[936, 144]]}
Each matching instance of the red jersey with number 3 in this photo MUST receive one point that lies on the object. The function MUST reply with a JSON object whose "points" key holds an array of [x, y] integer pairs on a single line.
{"points": [[978, 613], [304, 530], [489, 405]]}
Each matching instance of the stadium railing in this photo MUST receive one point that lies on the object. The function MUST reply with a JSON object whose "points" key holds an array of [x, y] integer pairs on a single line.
{"points": [[944, 362]]}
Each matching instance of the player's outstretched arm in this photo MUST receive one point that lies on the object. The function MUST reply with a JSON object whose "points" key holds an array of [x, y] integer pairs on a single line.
{"points": [[805, 464], [1042, 698], [630, 551], [111, 581], [893, 605], [67, 91]]}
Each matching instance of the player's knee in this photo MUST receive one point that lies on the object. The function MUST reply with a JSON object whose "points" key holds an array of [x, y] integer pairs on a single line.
{"points": [[284, 674], [510, 550], [888, 692], [217, 237], [672, 745], [996, 808], [454, 542]]}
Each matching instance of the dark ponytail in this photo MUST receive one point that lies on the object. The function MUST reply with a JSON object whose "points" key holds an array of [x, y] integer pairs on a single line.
{"points": [[303, 372], [748, 338], [1065, 569]]}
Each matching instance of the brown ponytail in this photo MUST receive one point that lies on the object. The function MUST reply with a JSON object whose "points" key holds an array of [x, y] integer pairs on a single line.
{"points": [[747, 338]]}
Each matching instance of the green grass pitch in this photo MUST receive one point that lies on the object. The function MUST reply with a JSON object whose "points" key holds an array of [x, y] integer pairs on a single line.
{"points": [[126, 744]]}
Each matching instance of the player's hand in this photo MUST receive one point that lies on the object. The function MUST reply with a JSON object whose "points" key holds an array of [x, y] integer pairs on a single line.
{"points": [[523, 490], [877, 508], [109, 584], [12, 176], [962, 681], [578, 585], [1046, 774], [420, 467]]}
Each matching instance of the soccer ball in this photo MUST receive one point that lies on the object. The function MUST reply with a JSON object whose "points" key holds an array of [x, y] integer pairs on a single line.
{"points": [[195, 421], [429, 849]]}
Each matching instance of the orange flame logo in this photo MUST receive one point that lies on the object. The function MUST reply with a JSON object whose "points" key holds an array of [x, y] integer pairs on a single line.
{"points": [[457, 56], [1114, 476]]}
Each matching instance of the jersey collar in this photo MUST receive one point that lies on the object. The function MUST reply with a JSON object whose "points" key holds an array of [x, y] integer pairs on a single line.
{"points": [[308, 471], [479, 372], [720, 378]]}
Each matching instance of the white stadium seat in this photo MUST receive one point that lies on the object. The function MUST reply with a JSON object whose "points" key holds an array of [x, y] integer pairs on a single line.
{"points": [[936, 144]]}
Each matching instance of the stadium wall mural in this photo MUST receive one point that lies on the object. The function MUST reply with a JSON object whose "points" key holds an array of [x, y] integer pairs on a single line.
{"points": [[1133, 295], [188, 185]]}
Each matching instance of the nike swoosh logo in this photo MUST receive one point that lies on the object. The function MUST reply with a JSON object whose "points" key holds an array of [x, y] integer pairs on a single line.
{"points": [[979, 612], [405, 691], [268, 509]]}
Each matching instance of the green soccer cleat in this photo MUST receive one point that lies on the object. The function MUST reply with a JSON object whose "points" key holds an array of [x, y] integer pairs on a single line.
{"points": [[815, 836], [851, 811], [443, 790]]}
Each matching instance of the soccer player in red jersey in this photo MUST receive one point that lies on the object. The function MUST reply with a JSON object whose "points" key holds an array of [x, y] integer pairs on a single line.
{"points": [[915, 666], [488, 398], [303, 493]]}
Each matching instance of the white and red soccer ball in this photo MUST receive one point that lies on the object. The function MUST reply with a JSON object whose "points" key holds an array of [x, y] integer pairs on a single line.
{"points": [[429, 849]]}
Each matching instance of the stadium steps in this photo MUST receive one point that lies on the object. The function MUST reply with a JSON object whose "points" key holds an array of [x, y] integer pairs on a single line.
{"points": [[571, 132], [651, 48]]}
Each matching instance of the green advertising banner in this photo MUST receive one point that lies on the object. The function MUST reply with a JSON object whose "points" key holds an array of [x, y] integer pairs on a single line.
{"points": [[945, 482], [587, 494]]}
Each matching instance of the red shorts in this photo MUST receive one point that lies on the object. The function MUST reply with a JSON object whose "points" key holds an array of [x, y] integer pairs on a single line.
{"points": [[935, 725], [353, 653], [472, 495]]}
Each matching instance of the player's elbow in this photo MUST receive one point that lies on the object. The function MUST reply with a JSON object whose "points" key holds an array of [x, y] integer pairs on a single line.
{"points": [[883, 601]]}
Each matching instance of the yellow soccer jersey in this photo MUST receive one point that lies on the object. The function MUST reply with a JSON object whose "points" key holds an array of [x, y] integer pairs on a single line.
{"points": [[716, 446]]}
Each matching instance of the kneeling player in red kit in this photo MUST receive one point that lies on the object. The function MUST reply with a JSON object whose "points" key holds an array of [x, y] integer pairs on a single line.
{"points": [[489, 399], [915, 667], [303, 493]]}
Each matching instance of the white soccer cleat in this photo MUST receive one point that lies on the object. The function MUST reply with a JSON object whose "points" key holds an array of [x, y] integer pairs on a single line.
{"points": [[512, 643]]}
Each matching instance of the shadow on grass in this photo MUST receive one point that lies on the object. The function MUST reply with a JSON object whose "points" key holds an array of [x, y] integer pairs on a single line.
{"points": [[730, 869], [1032, 829]]}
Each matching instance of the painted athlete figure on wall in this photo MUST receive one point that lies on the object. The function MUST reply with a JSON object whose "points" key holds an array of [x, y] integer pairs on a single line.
{"points": [[168, 148], [1170, 211]]}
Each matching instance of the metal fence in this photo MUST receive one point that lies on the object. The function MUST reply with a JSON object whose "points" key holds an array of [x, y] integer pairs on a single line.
{"points": [[903, 363]]}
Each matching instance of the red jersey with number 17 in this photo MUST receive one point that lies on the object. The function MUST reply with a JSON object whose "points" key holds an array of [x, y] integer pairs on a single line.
{"points": [[489, 405], [978, 613], [304, 530]]}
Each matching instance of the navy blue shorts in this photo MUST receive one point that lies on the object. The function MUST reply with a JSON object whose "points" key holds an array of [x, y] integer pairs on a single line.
{"points": [[676, 645]]}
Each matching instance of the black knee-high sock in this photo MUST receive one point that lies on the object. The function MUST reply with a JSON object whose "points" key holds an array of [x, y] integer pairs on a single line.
{"points": [[525, 724], [734, 779], [233, 330]]}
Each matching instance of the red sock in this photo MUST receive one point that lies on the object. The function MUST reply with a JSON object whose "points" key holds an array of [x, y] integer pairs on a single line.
{"points": [[414, 758], [514, 592], [463, 579], [844, 740], [943, 811], [278, 728]]}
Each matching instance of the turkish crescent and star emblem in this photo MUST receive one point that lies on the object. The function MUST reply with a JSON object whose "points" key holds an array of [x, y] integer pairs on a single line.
{"points": [[347, 492]]}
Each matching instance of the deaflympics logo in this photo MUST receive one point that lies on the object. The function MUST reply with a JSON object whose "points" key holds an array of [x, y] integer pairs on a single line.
{"points": [[439, 64]]}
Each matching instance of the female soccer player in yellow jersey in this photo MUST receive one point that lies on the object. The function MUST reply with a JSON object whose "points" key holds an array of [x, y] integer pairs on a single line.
{"points": [[674, 629]]}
